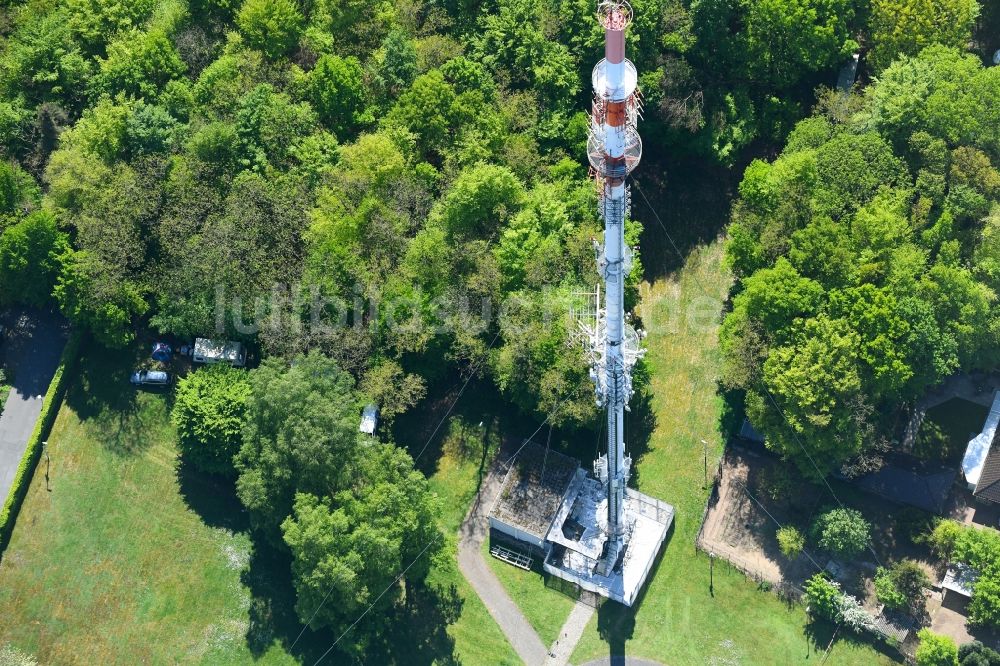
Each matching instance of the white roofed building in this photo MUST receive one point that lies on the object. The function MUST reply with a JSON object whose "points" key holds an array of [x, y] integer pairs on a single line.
{"points": [[981, 464]]}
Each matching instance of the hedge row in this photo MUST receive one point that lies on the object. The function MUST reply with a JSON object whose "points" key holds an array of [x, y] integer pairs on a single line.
{"points": [[50, 407]]}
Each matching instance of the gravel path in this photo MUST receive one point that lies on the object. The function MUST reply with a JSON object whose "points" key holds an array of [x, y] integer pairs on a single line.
{"points": [[471, 534]]}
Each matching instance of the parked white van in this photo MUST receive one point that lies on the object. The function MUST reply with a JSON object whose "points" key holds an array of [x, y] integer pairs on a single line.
{"points": [[210, 351]]}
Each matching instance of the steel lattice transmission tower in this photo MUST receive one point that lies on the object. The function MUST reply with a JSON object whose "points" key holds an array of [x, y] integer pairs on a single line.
{"points": [[591, 529], [614, 149]]}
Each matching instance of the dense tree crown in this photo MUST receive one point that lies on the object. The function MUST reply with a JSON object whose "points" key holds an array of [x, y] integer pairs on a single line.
{"points": [[209, 410], [382, 197], [867, 260], [285, 168]]}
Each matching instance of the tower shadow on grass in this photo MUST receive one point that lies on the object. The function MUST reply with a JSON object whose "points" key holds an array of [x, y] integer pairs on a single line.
{"points": [[616, 622], [640, 422], [616, 626]]}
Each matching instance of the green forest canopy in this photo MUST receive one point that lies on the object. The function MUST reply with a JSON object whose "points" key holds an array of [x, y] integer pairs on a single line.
{"points": [[867, 255], [275, 167]]}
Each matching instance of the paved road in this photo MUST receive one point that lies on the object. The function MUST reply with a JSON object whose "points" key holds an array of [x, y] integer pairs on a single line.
{"points": [[31, 351], [471, 535]]}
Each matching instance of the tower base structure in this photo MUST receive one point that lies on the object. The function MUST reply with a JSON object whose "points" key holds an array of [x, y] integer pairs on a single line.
{"points": [[551, 506]]}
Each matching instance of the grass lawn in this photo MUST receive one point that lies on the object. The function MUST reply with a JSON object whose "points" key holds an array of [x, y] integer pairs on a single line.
{"points": [[546, 609], [129, 559], [113, 566], [678, 621]]}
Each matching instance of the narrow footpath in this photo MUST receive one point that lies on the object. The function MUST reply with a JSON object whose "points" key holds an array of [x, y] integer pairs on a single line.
{"points": [[471, 534], [570, 634]]}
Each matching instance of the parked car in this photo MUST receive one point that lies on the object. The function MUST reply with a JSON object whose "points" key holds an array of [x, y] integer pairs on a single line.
{"points": [[150, 378]]}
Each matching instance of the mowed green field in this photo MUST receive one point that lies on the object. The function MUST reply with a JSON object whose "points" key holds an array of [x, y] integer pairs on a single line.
{"points": [[129, 560], [112, 565], [678, 622], [546, 609]]}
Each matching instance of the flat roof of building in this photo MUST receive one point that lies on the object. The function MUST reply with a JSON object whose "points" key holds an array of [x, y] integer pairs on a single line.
{"points": [[576, 558], [960, 578], [533, 489]]}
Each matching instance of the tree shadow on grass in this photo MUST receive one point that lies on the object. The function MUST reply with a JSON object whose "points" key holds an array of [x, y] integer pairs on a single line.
{"points": [[424, 431], [691, 198], [212, 497], [822, 635], [101, 384], [415, 632], [272, 607], [102, 397]]}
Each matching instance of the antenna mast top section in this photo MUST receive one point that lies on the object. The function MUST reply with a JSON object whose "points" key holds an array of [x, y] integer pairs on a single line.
{"points": [[614, 15]]}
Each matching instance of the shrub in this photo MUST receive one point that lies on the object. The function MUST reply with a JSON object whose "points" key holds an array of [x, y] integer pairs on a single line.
{"points": [[936, 650], [886, 590], [827, 601], [791, 541], [977, 654], [911, 580], [902, 586], [842, 531], [854, 615], [823, 595], [943, 538], [209, 411]]}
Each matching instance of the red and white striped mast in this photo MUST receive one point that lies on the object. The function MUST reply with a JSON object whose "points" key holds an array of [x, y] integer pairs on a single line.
{"points": [[614, 150]]}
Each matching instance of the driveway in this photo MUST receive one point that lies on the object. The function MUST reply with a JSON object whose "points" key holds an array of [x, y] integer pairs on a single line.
{"points": [[31, 353]]}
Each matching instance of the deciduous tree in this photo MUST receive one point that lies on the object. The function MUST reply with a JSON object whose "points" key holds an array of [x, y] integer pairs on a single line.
{"points": [[209, 409], [842, 531], [272, 26], [350, 546]]}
